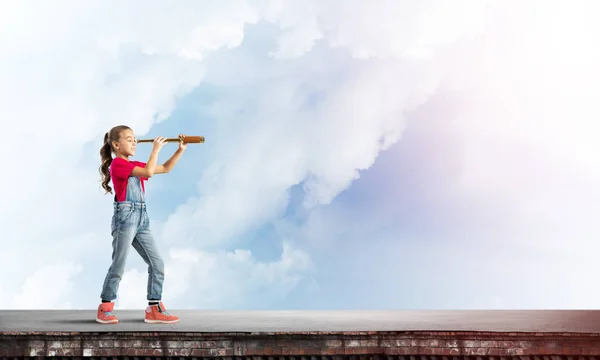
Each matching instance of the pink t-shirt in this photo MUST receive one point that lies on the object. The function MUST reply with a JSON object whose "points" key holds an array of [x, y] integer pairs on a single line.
{"points": [[120, 171]]}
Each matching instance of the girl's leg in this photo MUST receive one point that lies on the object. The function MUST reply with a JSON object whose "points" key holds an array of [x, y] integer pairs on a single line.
{"points": [[145, 245], [124, 227]]}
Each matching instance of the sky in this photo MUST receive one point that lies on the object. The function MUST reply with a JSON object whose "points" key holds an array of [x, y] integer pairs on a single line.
{"points": [[359, 155]]}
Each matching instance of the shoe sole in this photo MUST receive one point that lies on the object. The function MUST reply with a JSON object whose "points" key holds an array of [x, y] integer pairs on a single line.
{"points": [[107, 321], [161, 321]]}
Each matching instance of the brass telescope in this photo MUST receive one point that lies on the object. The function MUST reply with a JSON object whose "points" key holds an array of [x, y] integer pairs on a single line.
{"points": [[184, 139]]}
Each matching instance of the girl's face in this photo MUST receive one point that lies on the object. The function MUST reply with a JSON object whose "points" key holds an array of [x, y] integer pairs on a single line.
{"points": [[126, 144]]}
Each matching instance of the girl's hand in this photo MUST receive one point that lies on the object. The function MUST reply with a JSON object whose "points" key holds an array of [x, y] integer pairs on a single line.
{"points": [[182, 145], [158, 143]]}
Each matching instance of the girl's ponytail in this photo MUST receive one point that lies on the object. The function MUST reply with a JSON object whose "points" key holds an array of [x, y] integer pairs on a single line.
{"points": [[106, 156]]}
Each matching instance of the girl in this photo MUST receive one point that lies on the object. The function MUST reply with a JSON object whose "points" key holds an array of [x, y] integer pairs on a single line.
{"points": [[130, 223]]}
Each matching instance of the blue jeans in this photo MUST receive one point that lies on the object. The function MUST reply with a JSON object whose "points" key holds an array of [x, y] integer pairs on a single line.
{"points": [[130, 227]]}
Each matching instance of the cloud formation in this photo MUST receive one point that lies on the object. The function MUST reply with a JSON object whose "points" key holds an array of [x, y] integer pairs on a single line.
{"points": [[310, 100], [325, 145], [70, 72]]}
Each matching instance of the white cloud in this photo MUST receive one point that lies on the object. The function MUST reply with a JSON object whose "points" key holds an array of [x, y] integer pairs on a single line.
{"points": [[380, 28], [132, 290], [525, 200], [230, 279], [71, 71], [220, 279], [118, 66], [526, 131], [48, 287], [327, 146], [530, 133]]}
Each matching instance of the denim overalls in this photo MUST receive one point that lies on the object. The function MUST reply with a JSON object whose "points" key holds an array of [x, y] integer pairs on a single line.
{"points": [[130, 226]]}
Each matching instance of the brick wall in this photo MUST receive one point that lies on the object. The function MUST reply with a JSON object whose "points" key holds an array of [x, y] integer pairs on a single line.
{"points": [[301, 346]]}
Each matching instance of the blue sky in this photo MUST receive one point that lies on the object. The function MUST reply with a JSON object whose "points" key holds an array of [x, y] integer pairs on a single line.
{"points": [[399, 215], [388, 155]]}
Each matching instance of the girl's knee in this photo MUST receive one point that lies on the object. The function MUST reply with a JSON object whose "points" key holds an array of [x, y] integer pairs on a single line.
{"points": [[158, 265]]}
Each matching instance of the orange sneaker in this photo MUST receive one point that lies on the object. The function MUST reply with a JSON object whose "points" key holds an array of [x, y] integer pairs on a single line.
{"points": [[105, 315], [156, 314]]}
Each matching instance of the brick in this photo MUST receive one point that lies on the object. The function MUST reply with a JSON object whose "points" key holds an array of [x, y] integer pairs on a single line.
{"points": [[365, 350], [109, 344], [220, 352], [72, 344], [472, 351], [333, 343], [224, 344], [504, 352], [471, 344], [34, 344], [386, 343], [450, 344], [369, 343], [450, 352], [154, 344], [493, 352], [38, 351], [488, 344], [351, 343], [156, 352], [402, 351], [15, 352], [70, 352], [174, 344], [506, 344], [425, 350], [310, 346], [253, 344], [375, 350], [404, 342], [481, 351], [427, 343], [141, 343], [90, 344], [178, 352], [192, 344], [437, 351], [199, 352]]}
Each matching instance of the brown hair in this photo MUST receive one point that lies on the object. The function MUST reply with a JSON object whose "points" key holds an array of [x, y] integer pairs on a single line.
{"points": [[106, 154]]}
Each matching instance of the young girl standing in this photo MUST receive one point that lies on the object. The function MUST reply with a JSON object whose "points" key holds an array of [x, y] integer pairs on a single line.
{"points": [[130, 223]]}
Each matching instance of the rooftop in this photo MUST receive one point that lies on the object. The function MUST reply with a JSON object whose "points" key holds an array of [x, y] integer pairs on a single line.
{"points": [[573, 321]]}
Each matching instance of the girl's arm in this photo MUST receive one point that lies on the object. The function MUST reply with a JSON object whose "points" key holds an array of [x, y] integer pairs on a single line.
{"points": [[169, 164], [151, 167]]}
